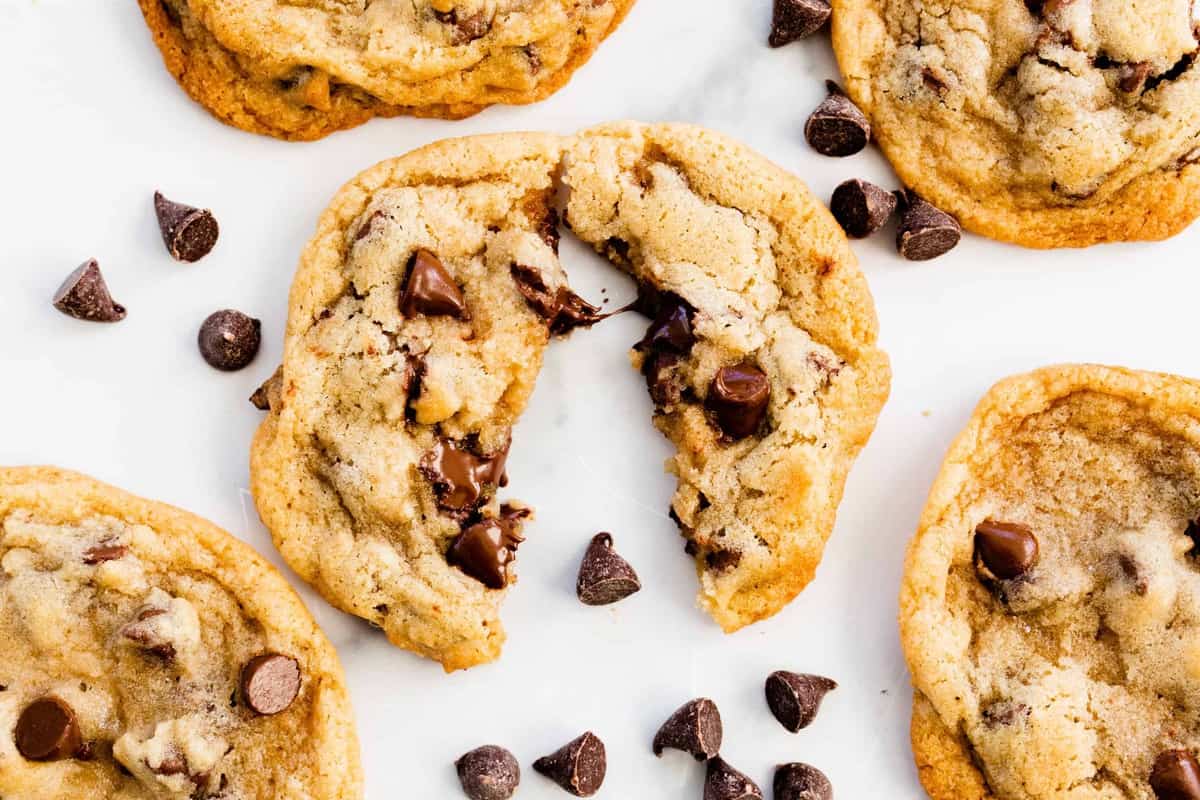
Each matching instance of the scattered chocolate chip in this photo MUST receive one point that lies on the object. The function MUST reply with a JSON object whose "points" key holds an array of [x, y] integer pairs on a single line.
{"points": [[1006, 549], [925, 231], [261, 399], [861, 207], [578, 766], [563, 310], [460, 478], [105, 551], [270, 683], [229, 339], [801, 782], [488, 773], [723, 782], [48, 730], [465, 29], [838, 127], [1003, 713], [694, 728], [84, 295], [485, 549], [605, 577], [1176, 776], [1132, 77], [796, 19], [795, 698], [429, 289], [189, 233], [738, 397]]}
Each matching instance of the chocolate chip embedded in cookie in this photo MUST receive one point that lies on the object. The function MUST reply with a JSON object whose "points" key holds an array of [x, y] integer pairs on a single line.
{"points": [[1048, 124], [1051, 600], [429, 289], [125, 626], [485, 550], [303, 71]]}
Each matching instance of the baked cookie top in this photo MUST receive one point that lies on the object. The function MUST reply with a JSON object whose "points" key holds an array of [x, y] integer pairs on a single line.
{"points": [[148, 654], [1048, 123], [300, 69], [1050, 609], [378, 467]]}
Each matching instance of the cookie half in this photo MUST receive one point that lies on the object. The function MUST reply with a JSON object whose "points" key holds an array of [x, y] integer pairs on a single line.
{"points": [[147, 653], [379, 468], [1050, 608], [1061, 123], [304, 70]]}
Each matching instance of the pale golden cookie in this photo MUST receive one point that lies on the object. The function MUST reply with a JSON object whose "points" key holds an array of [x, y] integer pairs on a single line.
{"points": [[1050, 608], [148, 654], [383, 450], [1049, 123], [301, 69]]}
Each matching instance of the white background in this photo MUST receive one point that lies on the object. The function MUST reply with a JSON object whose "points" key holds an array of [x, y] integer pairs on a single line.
{"points": [[91, 125]]}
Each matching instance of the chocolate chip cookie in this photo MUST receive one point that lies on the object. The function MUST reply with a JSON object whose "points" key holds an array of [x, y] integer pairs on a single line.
{"points": [[1049, 123], [417, 324], [297, 69], [148, 654], [1051, 598]]}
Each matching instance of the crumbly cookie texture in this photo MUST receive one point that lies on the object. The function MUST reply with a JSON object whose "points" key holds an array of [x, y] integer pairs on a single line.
{"points": [[383, 450], [772, 295], [1050, 607], [129, 631], [1050, 123], [301, 69]]}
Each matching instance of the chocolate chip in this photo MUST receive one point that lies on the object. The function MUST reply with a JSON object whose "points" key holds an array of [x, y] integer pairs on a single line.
{"points": [[485, 549], [578, 766], [460, 478], [663, 381], [548, 228], [229, 339], [105, 551], [1176, 776], [738, 397], [861, 207], [1132, 77], [801, 782], [1192, 531], [488, 773], [429, 289], [838, 127], [694, 728], [465, 29], [562, 309], [796, 19], [605, 577], [1003, 713], [84, 295], [261, 399], [48, 730], [1006, 549], [143, 634], [189, 233], [925, 231], [722, 560], [795, 698], [671, 330], [723, 782], [270, 683]]}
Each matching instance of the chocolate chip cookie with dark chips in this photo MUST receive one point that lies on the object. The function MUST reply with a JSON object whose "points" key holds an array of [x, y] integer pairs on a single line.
{"points": [[1049, 123], [304, 70], [148, 654], [420, 314], [1050, 609]]}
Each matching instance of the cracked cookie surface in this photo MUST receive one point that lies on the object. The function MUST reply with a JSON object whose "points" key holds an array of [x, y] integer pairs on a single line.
{"points": [[382, 452], [301, 69], [142, 645], [1061, 123], [1050, 609]]}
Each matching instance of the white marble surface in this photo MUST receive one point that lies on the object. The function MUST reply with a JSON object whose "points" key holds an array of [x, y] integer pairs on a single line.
{"points": [[93, 124]]}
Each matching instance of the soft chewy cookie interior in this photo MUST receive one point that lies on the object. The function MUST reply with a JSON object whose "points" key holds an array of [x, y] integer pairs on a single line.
{"points": [[1051, 605]]}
